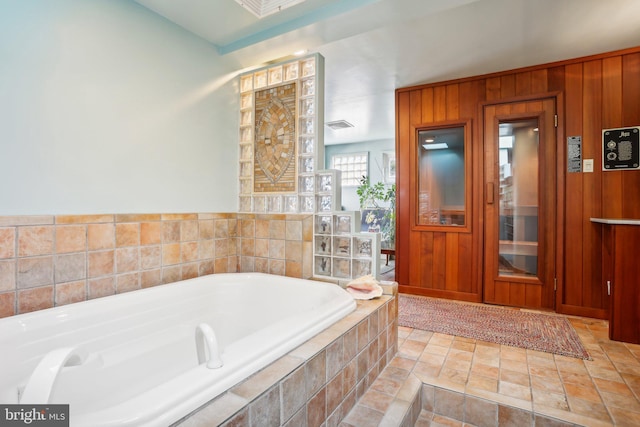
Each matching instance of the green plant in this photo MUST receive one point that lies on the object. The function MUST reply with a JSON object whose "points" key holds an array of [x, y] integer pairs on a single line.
{"points": [[369, 196]]}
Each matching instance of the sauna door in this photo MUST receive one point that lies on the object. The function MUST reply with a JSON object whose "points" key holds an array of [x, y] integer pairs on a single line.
{"points": [[520, 197]]}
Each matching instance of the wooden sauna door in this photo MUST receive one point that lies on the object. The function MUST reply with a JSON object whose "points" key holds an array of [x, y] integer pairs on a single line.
{"points": [[520, 203]]}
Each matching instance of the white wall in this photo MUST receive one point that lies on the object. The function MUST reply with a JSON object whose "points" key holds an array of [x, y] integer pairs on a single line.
{"points": [[106, 107]]}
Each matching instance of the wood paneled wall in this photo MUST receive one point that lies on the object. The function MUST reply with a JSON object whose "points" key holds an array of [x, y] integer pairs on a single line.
{"points": [[596, 92]]}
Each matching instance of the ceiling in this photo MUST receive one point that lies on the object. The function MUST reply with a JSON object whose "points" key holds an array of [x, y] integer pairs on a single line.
{"points": [[372, 47]]}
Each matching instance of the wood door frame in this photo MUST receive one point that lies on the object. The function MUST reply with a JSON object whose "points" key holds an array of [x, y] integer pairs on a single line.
{"points": [[560, 170]]}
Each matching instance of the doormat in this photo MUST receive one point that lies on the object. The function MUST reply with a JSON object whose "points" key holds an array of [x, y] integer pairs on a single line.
{"points": [[513, 327]]}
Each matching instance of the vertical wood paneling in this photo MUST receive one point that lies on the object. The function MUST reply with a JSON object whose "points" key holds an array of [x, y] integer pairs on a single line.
{"points": [[427, 105], [426, 254], [439, 260], [493, 89], [573, 192], [453, 106], [598, 92], [404, 203], [415, 117], [523, 83], [507, 86], [452, 280], [539, 81], [440, 104], [631, 117], [592, 128]]}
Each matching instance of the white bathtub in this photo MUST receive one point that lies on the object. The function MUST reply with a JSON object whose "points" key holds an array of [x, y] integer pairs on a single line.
{"points": [[140, 363]]}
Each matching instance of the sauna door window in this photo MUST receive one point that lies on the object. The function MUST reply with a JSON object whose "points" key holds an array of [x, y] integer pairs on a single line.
{"points": [[442, 175]]}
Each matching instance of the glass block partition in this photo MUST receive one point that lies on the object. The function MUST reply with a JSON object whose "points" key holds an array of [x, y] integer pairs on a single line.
{"points": [[340, 251], [281, 140]]}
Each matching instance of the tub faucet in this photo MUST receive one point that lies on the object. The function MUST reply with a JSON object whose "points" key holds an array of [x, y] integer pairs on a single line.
{"points": [[40, 385], [206, 342]]}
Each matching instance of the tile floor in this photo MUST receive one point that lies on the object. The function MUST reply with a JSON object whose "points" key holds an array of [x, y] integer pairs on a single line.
{"points": [[559, 390]]}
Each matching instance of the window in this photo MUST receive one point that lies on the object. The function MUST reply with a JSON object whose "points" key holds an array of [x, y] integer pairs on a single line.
{"points": [[441, 180], [353, 166]]}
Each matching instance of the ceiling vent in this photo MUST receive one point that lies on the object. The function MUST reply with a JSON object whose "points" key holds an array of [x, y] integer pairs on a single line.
{"points": [[339, 124], [262, 8]]}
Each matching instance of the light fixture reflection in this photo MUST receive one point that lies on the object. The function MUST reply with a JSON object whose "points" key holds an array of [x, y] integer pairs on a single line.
{"points": [[436, 146]]}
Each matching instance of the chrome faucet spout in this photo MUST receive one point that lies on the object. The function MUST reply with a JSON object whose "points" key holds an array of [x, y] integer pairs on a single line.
{"points": [[43, 379], [207, 346]]}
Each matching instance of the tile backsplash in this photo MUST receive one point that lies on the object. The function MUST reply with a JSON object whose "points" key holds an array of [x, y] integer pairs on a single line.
{"points": [[48, 261]]}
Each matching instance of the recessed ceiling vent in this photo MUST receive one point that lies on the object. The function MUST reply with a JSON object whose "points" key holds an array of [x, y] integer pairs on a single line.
{"points": [[262, 8], [339, 124]]}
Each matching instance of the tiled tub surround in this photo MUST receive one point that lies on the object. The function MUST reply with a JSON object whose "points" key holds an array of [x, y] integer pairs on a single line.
{"points": [[318, 383], [47, 261]]}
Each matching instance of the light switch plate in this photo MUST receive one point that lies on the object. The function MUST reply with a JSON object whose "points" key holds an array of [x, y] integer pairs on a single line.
{"points": [[587, 165]]}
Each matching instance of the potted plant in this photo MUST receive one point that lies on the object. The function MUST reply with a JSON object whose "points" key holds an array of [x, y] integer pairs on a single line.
{"points": [[369, 196]]}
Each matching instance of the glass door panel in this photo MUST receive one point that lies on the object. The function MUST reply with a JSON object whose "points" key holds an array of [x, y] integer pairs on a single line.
{"points": [[519, 194]]}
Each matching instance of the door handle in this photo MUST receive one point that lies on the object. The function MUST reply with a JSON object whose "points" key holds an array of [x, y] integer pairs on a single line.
{"points": [[489, 193]]}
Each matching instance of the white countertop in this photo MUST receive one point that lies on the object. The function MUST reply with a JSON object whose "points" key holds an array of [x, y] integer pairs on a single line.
{"points": [[616, 221]]}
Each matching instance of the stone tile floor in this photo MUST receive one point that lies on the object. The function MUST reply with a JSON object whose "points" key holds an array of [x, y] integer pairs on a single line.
{"points": [[559, 390]]}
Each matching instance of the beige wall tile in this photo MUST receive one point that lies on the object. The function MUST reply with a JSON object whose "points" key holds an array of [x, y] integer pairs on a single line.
{"points": [[127, 260], [307, 229], [127, 234], [247, 264], [171, 254], [7, 275], [233, 264], [137, 217], [150, 233], [262, 228], [101, 287], [101, 236], [262, 248], [293, 269], [71, 238], [293, 230], [292, 398], [277, 266], [221, 265], [221, 229], [70, 267], [150, 278], [177, 217], [71, 292], [127, 282], [293, 250], [277, 249], [188, 231], [206, 229], [150, 257], [15, 221], [221, 248], [206, 267], [170, 231], [248, 228], [7, 304], [262, 265], [277, 229], [233, 227], [189, 251], [83, 219], [35, 240], [190, 271], [35, 299], [248, 247], [171, 274], [317, 409], [35, 272], [7, 242], [101, 263], [206, 249]]}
